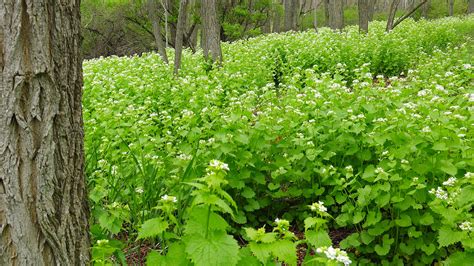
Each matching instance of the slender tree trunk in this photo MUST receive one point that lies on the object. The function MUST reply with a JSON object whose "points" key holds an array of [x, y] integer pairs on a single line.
{"points": [[182, 17], [405, 16], [451, 7], [391, 14], [336, 14], [326, 11], [470, 7], [363, 15], [291, 14], [156, 25], [210, 31], [43, 201]]}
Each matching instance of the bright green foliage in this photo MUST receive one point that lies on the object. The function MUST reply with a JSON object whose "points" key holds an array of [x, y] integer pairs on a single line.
{"points": [[366, 125], [153, 227]]}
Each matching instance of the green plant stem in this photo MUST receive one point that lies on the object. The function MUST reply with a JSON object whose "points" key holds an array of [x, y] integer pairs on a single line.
{"points": [[207, 220]]}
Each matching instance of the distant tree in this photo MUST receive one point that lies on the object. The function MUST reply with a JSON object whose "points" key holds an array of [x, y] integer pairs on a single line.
{"points": [[182, 18], [43, 200], [450, 7], [210, 31], [391, 23], [470, 7], [425, 9], [336, 14], [291, 14], [277, 9], [364, 12], [153, 14]]}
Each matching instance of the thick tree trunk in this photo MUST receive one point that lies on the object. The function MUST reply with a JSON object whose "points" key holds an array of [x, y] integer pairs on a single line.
{"points": [[451, 7], [182, 17], [336, 14], [470, 7], [277, 17], [363, 15], [291, 14], [156, 25], [316, 4], [43, 203], [210, 31]]}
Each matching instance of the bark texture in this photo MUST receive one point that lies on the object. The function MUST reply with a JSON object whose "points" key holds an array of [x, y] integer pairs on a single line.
{"points": [[336, 14], [425, 9], [470, 7], [153, 10], [182, 17], [451, 7], [211, 44], [391, 14], [291, 14], [43, 203], [363, 15]]}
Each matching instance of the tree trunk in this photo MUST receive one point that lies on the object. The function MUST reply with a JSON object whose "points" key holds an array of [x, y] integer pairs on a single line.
{"points": [[291, 14], [425, 9], [326, 11], [316, 4], [43, 200], [372, 4], [451, 7], [363, 15], [277, 17], [405, 16], [336, 14], [470, 7], [210, 31], [182, 17], [156, 25], [391, 14]]}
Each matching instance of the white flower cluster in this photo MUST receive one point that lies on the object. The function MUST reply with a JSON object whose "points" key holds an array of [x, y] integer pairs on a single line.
{"points": [[466, 226], [335, 254], [439, 193], [167, 198], [318, 206], [218, 165], [450, 182]]}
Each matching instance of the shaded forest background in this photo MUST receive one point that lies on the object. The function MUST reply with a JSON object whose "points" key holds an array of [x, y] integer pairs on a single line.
{"points": [[127, 27]]}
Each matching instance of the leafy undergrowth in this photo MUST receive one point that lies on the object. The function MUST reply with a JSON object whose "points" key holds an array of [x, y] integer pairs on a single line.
{"points": [[297, 135]]}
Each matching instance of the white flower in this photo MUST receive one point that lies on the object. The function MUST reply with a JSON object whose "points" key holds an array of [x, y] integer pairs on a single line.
{"points": [[139, 190], [379, 170], [403, 161], [335, 254], [467, 66], [426, 129], [469, 175], [318, 206], [169, 198], [450, 182], [218, 165], [349, 168], [439, 193], [466, 226]]}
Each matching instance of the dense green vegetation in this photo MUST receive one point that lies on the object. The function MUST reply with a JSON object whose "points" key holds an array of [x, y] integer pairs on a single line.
{"points": [[296, 136]]}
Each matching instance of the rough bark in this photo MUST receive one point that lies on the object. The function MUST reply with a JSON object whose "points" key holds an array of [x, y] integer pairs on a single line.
{"points": [[156, 26], [43, 203], [372, 4], [451, 7], [363, 15], [316, 4], [277, 17], [336, 14], [470, 7], [291, 14], [210, 31], [182, 17]]}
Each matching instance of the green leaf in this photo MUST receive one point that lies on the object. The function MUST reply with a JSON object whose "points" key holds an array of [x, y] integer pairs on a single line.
{"points": [[197, 222], [428, 249], [447, 167], [447, 236], [215, 250], [358, 217], [460, 259], [311, 222], [262, 251], [152, 228], [248, 193], [176, 256], [439, 146], [246, 258], [350, 241], [403, 221], [318, 238], [366, 237], [426, 219], [285, 251]]}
